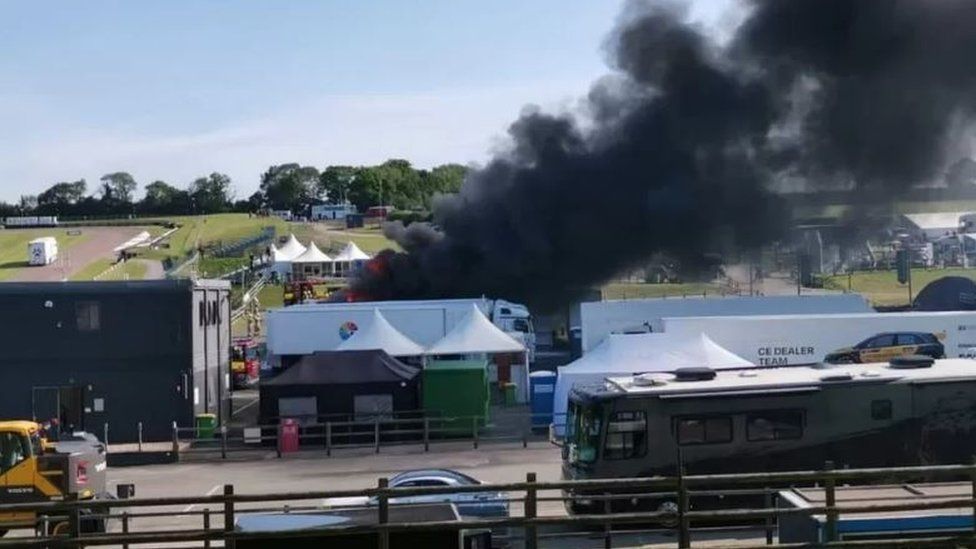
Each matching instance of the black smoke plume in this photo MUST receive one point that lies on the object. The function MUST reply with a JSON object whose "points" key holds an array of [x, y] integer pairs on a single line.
{"points": [[676, 150]]}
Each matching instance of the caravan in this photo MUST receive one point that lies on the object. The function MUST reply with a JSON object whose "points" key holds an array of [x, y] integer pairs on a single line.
{"points": [[42, 251]]}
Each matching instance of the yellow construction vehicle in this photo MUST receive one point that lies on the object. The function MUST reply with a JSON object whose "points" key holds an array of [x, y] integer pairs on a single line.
{"points": [[36, 469]]}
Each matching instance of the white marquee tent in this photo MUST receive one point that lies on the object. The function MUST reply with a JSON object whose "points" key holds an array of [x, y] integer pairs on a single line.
{"points": [[380, 334], [349, 259], [292, 248], [475, 334], [312, 263], [623, 354], [282, 257]]}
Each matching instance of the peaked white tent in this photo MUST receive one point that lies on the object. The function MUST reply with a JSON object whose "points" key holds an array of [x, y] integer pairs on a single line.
{"points": [[312, 263], [279, 262], [624, 354], [349, 259], [292, 248], [380, 334], [282, 257], [475, 334]]}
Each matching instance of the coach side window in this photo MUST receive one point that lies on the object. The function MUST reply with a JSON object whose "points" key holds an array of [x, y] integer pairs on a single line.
{"points": [[774, 425], [704, 430], [626, 436]]}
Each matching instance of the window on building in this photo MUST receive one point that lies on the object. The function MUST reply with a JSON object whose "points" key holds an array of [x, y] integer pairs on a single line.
{"points": [[626, 436], [201, 313], [704, 430], [88, 316], [774, 425], [881, 409]]}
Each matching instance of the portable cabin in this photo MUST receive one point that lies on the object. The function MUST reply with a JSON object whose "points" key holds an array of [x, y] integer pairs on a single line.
{"points": [[457, 389], [912, 411]]}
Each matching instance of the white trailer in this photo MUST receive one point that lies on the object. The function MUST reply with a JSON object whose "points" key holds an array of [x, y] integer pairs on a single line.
{"points": [[31, 221], [42, 251], [788, 340], [307, 328], [599, 319]]}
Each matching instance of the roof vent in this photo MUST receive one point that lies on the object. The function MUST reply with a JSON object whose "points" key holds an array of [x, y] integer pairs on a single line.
{"points": [[840, 376], [650, 380], [911, 362], [694, 374]]}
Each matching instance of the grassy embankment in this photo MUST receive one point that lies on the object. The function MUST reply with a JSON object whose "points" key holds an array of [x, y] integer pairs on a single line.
{"points": [[882, 287], [13, 246]]}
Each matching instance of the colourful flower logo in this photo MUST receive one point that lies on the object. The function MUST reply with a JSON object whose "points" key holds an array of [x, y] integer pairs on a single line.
{"points": [[347, 329]]}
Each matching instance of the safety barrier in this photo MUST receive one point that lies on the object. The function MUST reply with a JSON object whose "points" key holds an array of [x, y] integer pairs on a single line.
{"points": [[331, 433], [216, 519]]}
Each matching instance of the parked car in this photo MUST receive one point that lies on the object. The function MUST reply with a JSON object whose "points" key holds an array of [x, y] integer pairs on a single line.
{"points": [[469, 504], [883, 347]]}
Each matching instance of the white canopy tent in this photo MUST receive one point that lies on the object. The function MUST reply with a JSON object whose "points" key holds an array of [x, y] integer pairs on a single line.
{"points": [[475, 334], [623, 354], [313, 263], [380, 334], [282, 257], [349, 259], [279, 262], [292, 248]]}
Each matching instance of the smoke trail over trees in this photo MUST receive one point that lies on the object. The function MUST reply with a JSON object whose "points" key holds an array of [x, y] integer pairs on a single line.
{"points": [[676, 150]]}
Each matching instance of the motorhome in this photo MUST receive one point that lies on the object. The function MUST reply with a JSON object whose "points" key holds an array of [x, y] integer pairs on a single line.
{"points": [[42, 251], [911, 411]]}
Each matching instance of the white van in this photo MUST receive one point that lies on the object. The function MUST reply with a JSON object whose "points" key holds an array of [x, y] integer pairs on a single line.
{"points": [[42, 251]]}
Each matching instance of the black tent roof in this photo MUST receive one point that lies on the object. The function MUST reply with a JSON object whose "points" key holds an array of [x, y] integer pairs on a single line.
{"points": [[337, 367], [949, 293]]}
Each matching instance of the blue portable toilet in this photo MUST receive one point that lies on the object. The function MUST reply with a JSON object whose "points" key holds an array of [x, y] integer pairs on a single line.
{"points": [[542, 385]]}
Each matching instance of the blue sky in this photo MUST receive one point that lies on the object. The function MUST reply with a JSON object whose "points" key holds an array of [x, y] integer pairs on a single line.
{"points": [[173, 90]]}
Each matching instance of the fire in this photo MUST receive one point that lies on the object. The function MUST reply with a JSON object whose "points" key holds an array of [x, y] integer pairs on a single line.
{"points": [[377, 266]]}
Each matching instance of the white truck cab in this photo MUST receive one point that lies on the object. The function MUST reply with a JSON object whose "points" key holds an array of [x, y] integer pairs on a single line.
{"points": [[515, 319]]}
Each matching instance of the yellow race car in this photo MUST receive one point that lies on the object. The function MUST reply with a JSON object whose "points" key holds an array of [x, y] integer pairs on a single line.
{"points": [[883, 347]]}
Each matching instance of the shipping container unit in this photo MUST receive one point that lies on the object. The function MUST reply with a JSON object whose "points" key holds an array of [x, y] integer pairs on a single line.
{"points": [[601, 318], [456, 389], [116, 353], [790, 340]]}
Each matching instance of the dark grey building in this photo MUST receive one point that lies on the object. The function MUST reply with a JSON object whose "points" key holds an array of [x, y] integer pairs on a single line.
{"points": [[120, 353]]}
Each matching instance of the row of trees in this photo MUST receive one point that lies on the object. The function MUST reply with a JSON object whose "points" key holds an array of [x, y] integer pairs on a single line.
{"points": [[283, 187], [394, 182], [115, 196]]}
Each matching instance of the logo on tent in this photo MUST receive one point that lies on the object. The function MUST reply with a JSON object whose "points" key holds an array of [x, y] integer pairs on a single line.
{"points": [[347, 329]]}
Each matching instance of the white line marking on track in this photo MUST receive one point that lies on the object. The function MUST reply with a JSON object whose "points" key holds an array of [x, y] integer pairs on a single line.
{"points": [[210, 492]]}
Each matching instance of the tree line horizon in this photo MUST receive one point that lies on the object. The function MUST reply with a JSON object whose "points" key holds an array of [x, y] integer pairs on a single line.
{"points": [[289, 186]]}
